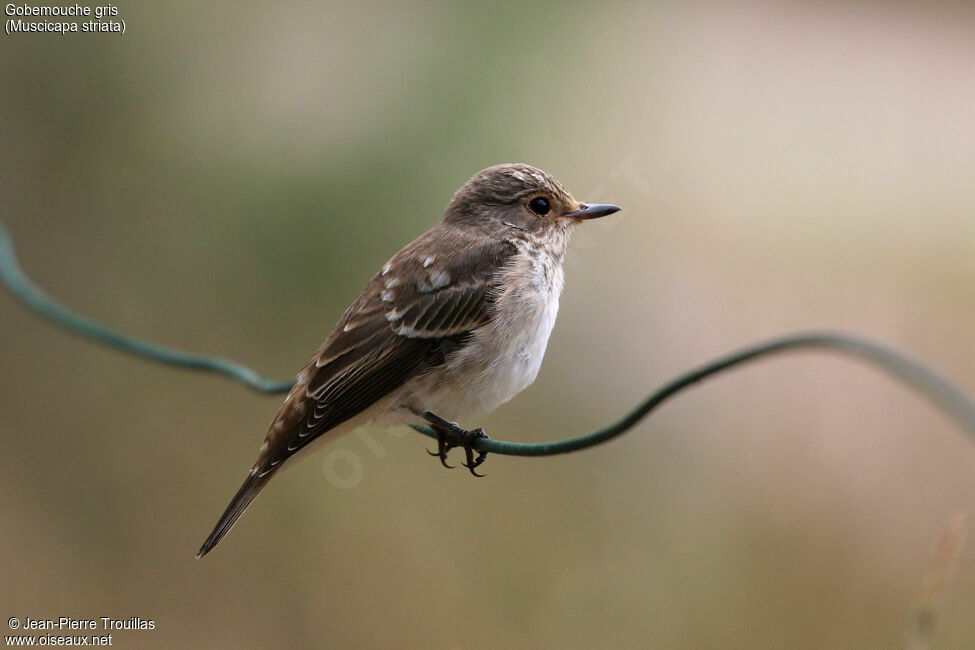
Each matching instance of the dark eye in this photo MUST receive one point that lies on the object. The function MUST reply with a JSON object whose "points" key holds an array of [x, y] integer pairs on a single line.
{"points": [[539, 205]]}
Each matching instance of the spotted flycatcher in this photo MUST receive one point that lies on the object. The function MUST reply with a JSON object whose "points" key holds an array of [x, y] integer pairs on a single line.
{"points": [[455, 324]]}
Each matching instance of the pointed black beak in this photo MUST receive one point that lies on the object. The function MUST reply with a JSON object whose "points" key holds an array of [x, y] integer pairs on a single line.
{"points": [[593, 210]]}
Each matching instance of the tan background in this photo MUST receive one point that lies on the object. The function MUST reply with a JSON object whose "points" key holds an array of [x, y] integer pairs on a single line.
{"points": [[226, 176]]}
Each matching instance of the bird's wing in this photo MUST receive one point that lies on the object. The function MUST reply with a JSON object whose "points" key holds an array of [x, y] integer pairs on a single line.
{"points": [[395, 343], [422, 306]]}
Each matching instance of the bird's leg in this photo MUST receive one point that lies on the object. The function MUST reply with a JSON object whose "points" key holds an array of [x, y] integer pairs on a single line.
{"points": [[443, 446], [458, 438]]}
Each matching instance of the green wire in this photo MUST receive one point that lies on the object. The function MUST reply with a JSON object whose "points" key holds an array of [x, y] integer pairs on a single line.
{"points": [[35, 298], [941, 391]]}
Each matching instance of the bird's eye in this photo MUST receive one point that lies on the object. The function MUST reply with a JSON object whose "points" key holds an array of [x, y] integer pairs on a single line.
{"points": [[540, 206]]}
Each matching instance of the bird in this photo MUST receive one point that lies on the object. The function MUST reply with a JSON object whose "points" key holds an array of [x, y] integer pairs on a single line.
{"points": [[453, 325]]}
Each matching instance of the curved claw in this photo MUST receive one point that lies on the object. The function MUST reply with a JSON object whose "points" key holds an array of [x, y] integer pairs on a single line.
{"points": [[472, 463], [470, 468], [442, 457]]}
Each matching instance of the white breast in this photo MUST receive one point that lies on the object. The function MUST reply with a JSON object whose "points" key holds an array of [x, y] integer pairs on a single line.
{"points": [[518, 335], [504, 356]]}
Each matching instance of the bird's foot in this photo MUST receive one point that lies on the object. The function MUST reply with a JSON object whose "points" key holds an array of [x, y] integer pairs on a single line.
{"points": [[449, 435]]}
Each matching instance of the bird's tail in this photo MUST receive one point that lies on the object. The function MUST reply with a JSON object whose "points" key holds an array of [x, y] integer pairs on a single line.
{"points": [[248, 492]]}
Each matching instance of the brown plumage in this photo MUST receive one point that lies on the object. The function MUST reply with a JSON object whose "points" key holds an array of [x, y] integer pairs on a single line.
{"points": [[397, 349]]}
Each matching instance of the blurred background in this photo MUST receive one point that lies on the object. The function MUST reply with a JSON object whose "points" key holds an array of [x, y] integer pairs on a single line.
{"points": [[225, 177]]}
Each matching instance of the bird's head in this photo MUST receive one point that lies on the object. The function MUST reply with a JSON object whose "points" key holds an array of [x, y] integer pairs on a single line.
{"points": [[520, 196]]}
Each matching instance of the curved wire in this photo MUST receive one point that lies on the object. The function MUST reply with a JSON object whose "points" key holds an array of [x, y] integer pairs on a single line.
{"points": [[946, 395], [38, 301]]}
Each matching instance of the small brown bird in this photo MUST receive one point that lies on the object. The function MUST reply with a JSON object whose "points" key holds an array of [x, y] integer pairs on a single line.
{"points": [[455, 324]]}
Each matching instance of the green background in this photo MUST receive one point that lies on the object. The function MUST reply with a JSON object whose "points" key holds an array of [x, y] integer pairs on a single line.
{"points": [[226, 176]]}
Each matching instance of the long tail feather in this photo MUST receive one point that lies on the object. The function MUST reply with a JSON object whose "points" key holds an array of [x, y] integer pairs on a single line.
{"points": [[247, 493]]}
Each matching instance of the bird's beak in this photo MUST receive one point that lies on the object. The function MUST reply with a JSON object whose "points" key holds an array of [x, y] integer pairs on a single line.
{"points": [[593, 211]]}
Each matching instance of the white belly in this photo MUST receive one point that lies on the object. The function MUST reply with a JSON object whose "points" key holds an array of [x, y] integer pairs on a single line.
{"points": [[517, 347]]}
